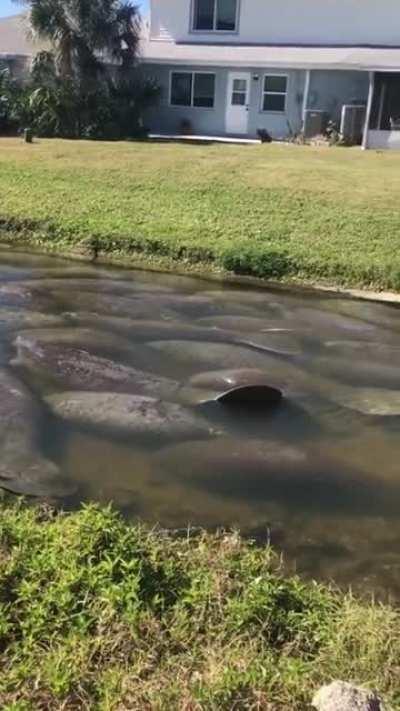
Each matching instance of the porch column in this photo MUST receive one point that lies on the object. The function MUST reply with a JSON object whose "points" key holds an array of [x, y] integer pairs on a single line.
{"points": [[305, 96], [369, 109]]}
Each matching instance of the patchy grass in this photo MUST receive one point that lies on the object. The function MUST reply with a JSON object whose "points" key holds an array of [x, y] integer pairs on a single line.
{"points": [[274, 211], [97, 614]]}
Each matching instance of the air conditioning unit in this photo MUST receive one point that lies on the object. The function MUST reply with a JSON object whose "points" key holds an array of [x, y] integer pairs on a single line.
{"points": [[315, 123], [352, 123]]}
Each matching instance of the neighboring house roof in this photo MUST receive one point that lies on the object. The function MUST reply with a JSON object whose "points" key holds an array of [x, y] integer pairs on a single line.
{"points": [[291, 57], [14, 38]]}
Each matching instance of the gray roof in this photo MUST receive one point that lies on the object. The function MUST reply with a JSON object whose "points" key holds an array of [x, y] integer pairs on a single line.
{"points": [[15, 41], [290, 57]]}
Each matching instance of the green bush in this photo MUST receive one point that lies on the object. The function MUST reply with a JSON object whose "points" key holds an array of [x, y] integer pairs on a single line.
{"points": [[99, 614]]}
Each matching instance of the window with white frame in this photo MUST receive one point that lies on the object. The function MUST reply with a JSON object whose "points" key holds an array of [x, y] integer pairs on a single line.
{"points": [[192, 89], [274, 93], [215, 15]]}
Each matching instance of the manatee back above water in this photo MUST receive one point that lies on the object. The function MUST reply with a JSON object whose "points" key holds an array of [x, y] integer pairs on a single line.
{"points": [[129, 415], [70, 368], [83, 338], [194, 355]]}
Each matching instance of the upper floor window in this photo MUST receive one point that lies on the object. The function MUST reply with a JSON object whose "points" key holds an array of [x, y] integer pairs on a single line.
{"points": [[215, 15]]}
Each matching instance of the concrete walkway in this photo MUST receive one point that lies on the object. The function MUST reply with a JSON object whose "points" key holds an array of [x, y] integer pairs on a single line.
{"points": [[188, 138]]}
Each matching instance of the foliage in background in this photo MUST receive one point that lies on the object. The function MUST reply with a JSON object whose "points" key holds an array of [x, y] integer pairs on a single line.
{"points": [[87, 85], [97, 614], [12, 102]]}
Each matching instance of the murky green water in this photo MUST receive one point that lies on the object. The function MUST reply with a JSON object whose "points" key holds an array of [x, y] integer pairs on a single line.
{"points": [[318, 475]]}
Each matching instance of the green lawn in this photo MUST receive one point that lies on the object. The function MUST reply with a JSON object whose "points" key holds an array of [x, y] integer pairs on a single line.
{"points": [[96, 614], [309, 213]]}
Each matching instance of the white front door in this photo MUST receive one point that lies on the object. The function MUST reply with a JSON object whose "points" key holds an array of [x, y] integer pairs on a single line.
{"points": [[237, 107]]}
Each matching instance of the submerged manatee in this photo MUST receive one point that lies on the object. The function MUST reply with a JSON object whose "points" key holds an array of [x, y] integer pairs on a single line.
{"points": [[271, 470], [368, 401], [15, 294], [95, 285], [250, 324], [23, 470], [212, 354], [321, 320], [193, 354], [142, 330], [382, 315], [72, 368], [17, 318], [358, 371], [111, 305], [85, 339], [129, 415]]}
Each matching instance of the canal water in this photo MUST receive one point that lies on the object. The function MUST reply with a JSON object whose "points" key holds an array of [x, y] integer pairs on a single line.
{"points": [[111, 378]]}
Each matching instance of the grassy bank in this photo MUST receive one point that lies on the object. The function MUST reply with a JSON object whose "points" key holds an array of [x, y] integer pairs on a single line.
{"points": [[96, 614], [275, 211]]}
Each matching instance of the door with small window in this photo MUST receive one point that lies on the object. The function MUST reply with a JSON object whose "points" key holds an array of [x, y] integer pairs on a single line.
{"points": [[237, 110]]}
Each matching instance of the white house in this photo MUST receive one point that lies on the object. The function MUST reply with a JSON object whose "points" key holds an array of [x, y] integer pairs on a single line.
{"points": [[236, 67]]}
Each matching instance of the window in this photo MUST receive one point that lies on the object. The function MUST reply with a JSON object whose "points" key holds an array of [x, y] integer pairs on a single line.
{"points": [[192, 89], [274, 93], [239, 92], [215, 15]]}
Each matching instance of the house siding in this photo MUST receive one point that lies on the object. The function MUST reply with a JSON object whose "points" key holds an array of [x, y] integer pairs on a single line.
{"points": [[329, 90], [349, 22]]}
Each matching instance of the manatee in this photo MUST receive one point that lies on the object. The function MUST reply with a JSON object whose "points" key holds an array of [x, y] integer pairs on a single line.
{"points": [[129, 415], [269, 301], [110, 305], [9, 273], [270, 470], [95, 285], [220, 379], [15, 294], [141, 330], [382, 315], [194, 354], [369, 401], [319, 319], [358, 371], [249, 396], [16, 318], [247, 388], [377, 351], [23, 470], [86, 339], [72, 368], [251, 324]]}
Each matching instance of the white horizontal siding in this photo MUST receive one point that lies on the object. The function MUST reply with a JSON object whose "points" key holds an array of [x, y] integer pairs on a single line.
{"points": [[290, 21]]}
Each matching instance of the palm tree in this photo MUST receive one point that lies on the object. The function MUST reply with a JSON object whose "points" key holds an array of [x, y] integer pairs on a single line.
{"points": [[87, 34]]}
